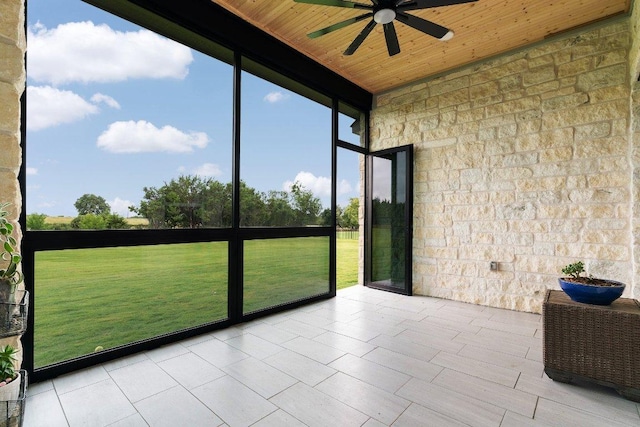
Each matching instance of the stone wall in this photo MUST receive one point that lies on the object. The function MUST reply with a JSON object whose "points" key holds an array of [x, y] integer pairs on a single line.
{"points": [[634, 56], [529, 160], [12, 83], [524, 160], [634, 131]]}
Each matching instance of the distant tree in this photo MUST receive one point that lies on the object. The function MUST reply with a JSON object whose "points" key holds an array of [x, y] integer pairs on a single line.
{"points": [[279, 210], [325, 217], [92, 204], [186, 202], [89, 222], [151, 207], [383, 211], [193, 202], [216, 204], [113, 221], [58, 226], [349, 218], [185, 198], [306, 205], [36, 221], [252, 207]]}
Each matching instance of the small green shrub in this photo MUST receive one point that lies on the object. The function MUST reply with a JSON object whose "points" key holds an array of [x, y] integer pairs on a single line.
{"points": [[10, 258], [7, 366], [574, 270]]}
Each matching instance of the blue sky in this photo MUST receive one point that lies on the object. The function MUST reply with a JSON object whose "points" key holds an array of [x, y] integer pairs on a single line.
{"points": [[113, 108]]}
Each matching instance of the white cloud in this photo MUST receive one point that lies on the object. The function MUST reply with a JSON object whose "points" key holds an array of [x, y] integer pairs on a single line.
{"points": [[318, 185], [145, 137], [99, 97], [121, 207], [32, 171], [344, 187], [274, 97], [49, 107], [208, 169], [85, 52]]}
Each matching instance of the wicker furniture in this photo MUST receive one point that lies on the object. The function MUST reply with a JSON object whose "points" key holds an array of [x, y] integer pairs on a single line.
{"points": [[600, 344]]}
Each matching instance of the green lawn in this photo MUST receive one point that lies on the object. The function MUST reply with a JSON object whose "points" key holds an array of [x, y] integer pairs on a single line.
{"points": [[113, 296], [57, 220], [347, 263], [283, 270]]}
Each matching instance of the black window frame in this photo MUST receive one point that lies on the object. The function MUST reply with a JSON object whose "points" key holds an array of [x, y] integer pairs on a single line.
{"points": [[211, 29]]}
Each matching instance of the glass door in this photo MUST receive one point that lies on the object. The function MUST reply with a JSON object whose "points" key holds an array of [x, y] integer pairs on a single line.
{"points": [[389, 220]]}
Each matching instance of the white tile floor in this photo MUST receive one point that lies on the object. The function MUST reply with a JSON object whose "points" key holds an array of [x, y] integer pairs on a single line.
{"points": [[365, 358]]}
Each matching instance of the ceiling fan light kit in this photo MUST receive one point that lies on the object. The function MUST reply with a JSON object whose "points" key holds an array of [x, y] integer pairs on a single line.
{"points": [[384, 12], [384, 16]]}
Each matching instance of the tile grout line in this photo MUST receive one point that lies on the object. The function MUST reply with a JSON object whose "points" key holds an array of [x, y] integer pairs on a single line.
{"points": [[66, 418], [363, 318]]}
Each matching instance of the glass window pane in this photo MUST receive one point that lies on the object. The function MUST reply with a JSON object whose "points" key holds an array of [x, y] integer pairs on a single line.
{"points": [[107, 297], [351, 125], [278, 271], [136, 120], [349, 219], [285, 156], [388, 220]]}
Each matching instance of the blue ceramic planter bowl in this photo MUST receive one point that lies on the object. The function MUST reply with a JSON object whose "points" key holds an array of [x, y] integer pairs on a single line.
{"points": [[590, 294]]}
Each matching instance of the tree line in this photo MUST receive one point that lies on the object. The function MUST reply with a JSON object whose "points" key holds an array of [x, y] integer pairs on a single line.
{"points": [[191, 201]]}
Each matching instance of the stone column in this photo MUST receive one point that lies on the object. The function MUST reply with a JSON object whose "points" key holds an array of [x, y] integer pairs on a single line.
{"points": [[12, 85]]}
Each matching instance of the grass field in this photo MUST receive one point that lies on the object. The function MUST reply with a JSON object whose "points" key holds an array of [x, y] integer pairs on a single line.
{"points": [[347, 263], [113, 296], [67, 220]]}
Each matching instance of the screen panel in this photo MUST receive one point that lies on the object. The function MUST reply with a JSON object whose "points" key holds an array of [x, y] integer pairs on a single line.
{"points": [[107, 297], [279, 271]]}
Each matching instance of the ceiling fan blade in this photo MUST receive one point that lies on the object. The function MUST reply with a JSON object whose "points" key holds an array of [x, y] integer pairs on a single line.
{"points": [[337, 3], [338, 25], [423, 25], [427, 4], [355, 44], [393, 46]]}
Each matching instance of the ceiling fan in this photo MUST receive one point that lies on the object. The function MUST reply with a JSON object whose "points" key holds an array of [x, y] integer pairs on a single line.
{"points": [[385, 12]]}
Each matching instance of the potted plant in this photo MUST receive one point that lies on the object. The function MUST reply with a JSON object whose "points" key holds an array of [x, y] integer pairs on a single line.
{"points": [[10, 275], [589, 289], [9, 381], [13, 310]]}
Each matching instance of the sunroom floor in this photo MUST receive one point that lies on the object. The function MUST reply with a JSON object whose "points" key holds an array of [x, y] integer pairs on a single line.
{"points": [[365, 358]]}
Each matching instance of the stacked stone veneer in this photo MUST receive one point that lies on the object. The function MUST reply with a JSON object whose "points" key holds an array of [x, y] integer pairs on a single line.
{"points": [[527, 160], [12, 83], [12, 80], [530, 160], [634, 68]]}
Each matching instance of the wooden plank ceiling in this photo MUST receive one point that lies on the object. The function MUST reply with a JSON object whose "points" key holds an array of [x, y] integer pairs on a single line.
{"points": [[483, 29]]}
